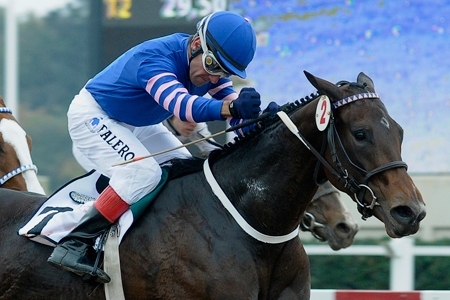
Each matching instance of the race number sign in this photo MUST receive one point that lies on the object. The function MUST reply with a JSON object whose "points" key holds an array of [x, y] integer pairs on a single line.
{"points": [[323, 112]]}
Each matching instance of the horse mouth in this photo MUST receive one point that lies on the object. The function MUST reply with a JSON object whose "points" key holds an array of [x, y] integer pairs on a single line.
{"points": [[340, 236], [338, 245], [399, 232], [400, 221]]}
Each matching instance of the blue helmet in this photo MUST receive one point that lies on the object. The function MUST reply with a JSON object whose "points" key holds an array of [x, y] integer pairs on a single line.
{"points": [[230, 38]]}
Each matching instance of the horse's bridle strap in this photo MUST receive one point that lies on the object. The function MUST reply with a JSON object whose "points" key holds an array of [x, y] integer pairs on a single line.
{"points": [[291, 126], [17, 171], [5, 110], [354, 98], [20, 169], [388, 166], [217, 190]]}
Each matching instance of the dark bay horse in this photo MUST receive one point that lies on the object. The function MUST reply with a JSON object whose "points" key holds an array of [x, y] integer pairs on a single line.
{"points": [[189, 245], [17, 171], [328, 219]]}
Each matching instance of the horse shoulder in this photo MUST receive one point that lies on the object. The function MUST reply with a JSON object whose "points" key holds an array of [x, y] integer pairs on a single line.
{"points": [[187, 247]]}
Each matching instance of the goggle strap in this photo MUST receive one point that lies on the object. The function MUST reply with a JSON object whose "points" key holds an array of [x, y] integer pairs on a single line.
{"points": [[195, 52]]}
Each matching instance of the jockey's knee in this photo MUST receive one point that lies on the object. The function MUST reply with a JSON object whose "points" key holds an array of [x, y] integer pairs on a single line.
{"points": [[135, 180]]}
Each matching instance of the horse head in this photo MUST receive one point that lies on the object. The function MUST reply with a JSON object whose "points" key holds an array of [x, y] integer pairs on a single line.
{"points": [[17, 170], [328, 219], [364, 150]]}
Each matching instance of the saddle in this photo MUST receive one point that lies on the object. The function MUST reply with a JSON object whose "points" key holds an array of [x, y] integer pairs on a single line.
{"points": [[56, 217]]}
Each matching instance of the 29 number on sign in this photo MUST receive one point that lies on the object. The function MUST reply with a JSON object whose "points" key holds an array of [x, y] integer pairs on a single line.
{"points": [[323, 112], [191, 9]]}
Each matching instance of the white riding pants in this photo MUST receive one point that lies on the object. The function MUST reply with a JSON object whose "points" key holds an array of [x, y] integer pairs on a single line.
{"points": [[100, 142]]}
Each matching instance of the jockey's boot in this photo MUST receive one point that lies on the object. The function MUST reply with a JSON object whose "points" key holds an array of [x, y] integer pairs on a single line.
{"points": [[74, 252]]}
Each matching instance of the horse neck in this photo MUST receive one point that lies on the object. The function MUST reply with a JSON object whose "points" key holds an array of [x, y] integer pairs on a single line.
{"points": [[271, 179]]}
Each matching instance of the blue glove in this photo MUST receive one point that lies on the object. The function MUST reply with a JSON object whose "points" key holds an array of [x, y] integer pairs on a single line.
{"points": [[247, 105], [272, 108]]}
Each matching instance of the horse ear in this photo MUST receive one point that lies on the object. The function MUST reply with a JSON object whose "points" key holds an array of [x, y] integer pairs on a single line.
{"points": [[325, 87], [363, 79]]}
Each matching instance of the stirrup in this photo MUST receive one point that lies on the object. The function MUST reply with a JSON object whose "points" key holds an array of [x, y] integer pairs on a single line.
{"points": [[97, 274]]}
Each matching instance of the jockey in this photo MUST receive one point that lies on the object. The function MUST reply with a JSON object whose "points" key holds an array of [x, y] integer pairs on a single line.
{"points": [[117, 116]]}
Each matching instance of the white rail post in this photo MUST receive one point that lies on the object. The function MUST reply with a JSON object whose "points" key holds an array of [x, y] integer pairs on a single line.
{"points": [[11, 59], [402, 264]]}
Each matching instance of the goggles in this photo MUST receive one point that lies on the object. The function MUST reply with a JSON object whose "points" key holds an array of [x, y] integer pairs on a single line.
{"points": [[210, 62], [212, 65]]}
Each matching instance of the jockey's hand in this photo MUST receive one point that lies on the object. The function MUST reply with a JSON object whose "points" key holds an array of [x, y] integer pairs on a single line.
{"points": [[247, 105], [272, 108]]}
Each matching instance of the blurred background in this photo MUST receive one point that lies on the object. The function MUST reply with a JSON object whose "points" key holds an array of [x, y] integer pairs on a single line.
{"points": [[402, 45]]}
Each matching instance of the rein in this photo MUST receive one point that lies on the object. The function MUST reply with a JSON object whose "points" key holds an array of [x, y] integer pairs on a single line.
{"points": [[20, 169]]}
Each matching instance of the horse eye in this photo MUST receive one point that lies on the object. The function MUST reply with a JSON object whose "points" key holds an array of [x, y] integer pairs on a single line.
{"points": [[360, 136]]}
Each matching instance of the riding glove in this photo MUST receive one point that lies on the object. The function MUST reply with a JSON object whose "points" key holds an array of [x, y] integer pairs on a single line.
{"points": [[247, 105], [272, 108]]}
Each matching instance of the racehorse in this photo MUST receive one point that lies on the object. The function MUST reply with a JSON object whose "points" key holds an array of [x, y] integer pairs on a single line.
{"points": [[231, 231], [328, 219], [17, 171]]}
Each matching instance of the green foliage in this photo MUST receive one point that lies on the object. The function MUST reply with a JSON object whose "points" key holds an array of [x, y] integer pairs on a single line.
{"points": [[52, 147], [431, 273], [53, 59], [372, 272], [349, 272]]}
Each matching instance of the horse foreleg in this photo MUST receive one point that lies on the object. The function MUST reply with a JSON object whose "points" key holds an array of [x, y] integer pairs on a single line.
{"points": [[291, 277]]}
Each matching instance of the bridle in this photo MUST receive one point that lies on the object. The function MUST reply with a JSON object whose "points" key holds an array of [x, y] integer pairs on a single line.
{"points": [[342, 174], [20, 169], [309, 222]]}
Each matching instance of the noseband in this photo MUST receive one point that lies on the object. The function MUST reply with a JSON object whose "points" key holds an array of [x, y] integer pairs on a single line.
{"points": [[342, 174], [20, 169]]}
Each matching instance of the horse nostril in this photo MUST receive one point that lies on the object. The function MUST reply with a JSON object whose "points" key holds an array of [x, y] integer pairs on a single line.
{"points": [[421, 216], [403, 214], [343, 227]]}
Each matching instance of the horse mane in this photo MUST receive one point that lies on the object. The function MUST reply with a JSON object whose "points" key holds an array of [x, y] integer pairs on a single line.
{"points": [[265, 124], [179, 167]]}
